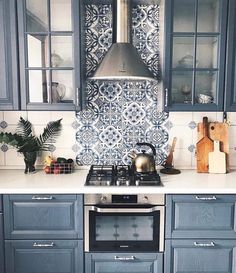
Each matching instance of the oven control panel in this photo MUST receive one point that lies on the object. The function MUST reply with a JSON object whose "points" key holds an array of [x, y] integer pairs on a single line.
{"points": [[112, 199]]}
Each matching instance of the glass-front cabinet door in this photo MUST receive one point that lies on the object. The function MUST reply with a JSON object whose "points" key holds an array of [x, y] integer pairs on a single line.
{"points": [[49, 54], [230, 91], [195, 54]]}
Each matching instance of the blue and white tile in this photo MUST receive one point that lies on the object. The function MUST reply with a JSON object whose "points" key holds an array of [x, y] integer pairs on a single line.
{"points": [[12, 117], [39, 118], [68, 117], [231, 117], [13, 158], [198, 116], [180, 118], [182, 158], [2, 158], [184, 136]]}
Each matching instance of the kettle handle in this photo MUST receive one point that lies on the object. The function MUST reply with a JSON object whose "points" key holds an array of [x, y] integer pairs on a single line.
{"points": [[149, 145]]}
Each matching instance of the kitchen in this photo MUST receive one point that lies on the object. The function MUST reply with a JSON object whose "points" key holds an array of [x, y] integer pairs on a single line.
{"points": [[118, 115]]}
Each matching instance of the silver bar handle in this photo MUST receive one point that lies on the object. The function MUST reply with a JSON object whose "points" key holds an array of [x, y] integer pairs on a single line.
{"points": [[43, 245], [166, 97], [35, 197], [211, 244], [127, 210], [206, 198], [131, 258], [77, 96]]}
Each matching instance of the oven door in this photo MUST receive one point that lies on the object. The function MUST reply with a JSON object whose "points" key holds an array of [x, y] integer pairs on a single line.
{"points": [[124, 229]]}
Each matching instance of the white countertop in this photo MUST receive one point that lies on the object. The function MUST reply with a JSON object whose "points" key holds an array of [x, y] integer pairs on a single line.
{"points": [[189, 181]]}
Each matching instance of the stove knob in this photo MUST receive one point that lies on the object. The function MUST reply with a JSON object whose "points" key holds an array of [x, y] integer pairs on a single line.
{"points": [[127, 182], [103, 199], [108, 183], [137, 182], [117, 183], [145, 199]]}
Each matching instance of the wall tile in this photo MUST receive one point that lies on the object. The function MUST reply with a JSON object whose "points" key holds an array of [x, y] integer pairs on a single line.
{"points": [[198, 116], [13, 158], [180, 118], [2, 158], [1, 116], [12, 117], [232, 136], [66, 138], [232, 157], [183, 139], [39, 118], [232, 117], [68, 117], [64, 152], [182, 158]]}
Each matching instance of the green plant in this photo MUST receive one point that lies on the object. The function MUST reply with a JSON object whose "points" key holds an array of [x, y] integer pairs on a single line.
{"points": [[25, 141]]}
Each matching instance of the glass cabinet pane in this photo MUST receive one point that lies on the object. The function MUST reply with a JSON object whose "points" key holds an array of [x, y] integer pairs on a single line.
{"points": [[61, 15], [184, 16], [61, 47], [36, 16], [38, 85], [182, 86], [38, 50], [183, 52], [207, 52], [206, 86], [208, 16], [62, 86]]}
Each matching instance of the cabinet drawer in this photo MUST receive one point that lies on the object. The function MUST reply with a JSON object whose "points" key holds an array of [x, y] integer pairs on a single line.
{"points": [[43, 216], [200, 216], [124, 262], [62, 256], [205, 256]]}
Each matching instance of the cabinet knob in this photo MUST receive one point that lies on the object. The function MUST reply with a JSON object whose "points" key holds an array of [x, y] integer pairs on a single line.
{"points": [[103, 199]]}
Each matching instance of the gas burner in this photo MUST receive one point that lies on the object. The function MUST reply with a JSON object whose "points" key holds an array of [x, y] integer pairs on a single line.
{"points": [[120, 175]]}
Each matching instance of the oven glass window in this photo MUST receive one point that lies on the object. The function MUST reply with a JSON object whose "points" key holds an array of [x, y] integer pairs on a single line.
{"points": [[123, 228]]}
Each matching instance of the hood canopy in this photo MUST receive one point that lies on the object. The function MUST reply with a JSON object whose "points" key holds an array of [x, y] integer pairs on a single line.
{"points": [[122, 60]]}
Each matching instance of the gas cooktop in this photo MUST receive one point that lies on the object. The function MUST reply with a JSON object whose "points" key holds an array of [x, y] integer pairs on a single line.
{"points": [[120, 175]]}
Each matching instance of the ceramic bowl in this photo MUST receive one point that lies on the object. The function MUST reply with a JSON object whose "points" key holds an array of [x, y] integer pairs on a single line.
{"points": [[203, 98]]}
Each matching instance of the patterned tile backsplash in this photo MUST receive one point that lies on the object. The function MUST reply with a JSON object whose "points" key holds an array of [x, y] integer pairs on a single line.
{"points": [[120, 113]]}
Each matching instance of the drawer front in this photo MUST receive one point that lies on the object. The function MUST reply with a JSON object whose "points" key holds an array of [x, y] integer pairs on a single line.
{"points": [[205, 256], [200, 216], [124, 262], [43, 216], [28, 256], [1, 245], [1, 203]]}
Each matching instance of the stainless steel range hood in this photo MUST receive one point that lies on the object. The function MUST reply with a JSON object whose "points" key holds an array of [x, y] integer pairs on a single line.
{"points": [[122, 60]]}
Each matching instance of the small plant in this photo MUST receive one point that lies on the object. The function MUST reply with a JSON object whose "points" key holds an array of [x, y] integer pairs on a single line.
{"points": [[28, 144]]}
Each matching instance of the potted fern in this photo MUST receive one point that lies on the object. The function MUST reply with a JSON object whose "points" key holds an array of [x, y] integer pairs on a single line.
{"points": [[28, 144]]}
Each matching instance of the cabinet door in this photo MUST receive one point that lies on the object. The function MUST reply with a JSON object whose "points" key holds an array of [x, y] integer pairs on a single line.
{"points": [[43, 216], [205, 256], [50, 54], [200, 216], [123, 262], [0, 202], [1, 245], [230, 90], [195, 58], [8, 56], [44, 256]]}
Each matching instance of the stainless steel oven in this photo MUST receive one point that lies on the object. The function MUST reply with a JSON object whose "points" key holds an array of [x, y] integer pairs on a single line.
{"points": [[124, 222]]}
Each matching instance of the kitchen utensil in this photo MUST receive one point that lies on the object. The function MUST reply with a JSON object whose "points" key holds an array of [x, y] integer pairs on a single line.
{"points": [[218, 131], [203, 147], [144, 162], [217, 159], [168, 165]]}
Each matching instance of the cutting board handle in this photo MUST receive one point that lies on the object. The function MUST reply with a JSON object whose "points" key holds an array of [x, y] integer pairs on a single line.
{"points": [[216, 145], [205, 126]]}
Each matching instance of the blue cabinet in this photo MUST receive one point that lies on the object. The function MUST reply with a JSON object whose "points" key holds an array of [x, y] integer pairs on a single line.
{"points": [[123, 262], [43, 216], [8, 57], [49, 55], [1, 239], [64, 256], [231, 59], [200, 216], [195, 256], [195, 55]]}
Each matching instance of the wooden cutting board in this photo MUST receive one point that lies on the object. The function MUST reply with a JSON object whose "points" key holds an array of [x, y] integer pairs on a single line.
{"points": [[218, 131], [217, 159], [203, 147]]}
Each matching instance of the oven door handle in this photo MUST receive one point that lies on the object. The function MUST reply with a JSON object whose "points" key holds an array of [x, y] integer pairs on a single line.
{"points": [[126, 210]]}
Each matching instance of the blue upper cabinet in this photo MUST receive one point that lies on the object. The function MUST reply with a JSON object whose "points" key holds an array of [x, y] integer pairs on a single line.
{"points": [[231, 59], [49, 53], [195, 54], [8, 56]]}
